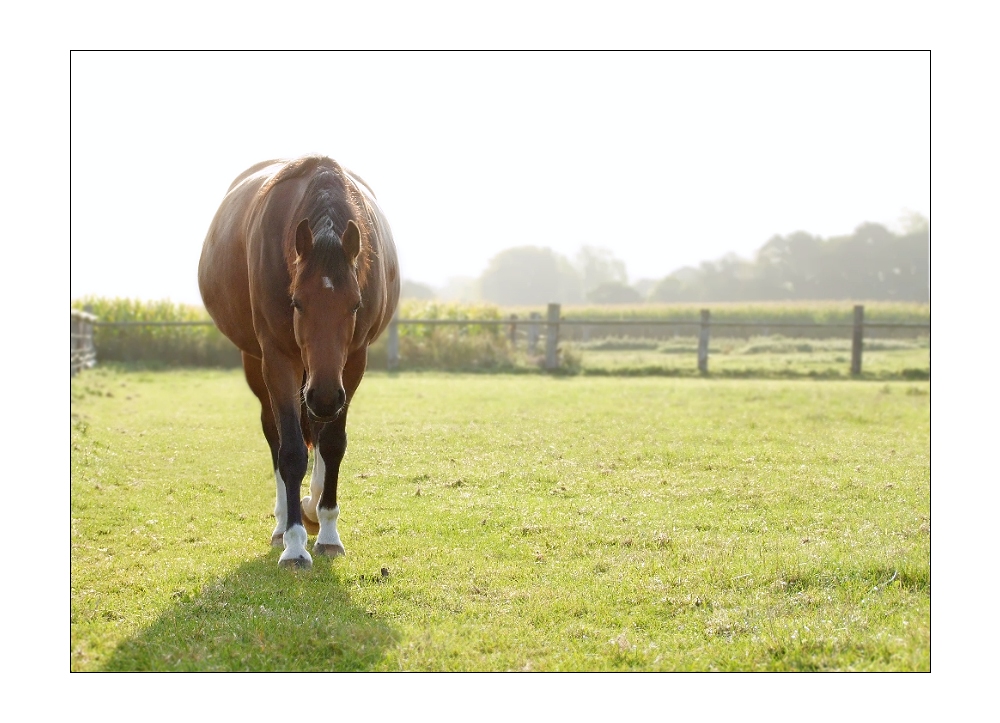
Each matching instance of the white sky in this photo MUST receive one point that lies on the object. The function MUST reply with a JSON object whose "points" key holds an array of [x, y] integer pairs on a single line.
{"points": [[668, 159]]}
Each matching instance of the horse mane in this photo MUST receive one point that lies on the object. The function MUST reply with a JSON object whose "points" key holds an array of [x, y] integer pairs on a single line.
{"points": [[296, 168], [329, 202]]}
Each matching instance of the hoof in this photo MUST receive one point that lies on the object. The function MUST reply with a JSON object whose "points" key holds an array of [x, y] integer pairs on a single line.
{"points": [[321, 548], [296, 563], [277, 540]]}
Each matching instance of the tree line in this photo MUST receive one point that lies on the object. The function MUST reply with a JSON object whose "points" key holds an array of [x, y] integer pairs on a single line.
{"points": [[872, 263]]}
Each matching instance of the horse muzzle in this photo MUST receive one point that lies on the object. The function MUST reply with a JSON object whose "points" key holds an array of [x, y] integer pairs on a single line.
{"points": [[325, 407]]}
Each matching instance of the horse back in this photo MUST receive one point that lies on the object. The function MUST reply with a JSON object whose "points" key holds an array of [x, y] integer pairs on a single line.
{"points": [[223, 272]]}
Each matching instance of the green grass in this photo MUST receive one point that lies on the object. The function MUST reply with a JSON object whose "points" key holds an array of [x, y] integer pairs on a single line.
{"points": [[761, 357], [527, 522]]}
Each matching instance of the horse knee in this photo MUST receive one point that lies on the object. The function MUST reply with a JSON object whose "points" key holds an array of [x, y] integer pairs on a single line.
{"points": [[335, 446], [292, 463]]}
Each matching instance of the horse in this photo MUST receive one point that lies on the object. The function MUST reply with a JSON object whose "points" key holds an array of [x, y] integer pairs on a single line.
{"points": [[299, 270]]}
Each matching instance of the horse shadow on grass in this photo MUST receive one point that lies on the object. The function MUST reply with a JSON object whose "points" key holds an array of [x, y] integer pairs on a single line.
{"points": [[262, 618]]}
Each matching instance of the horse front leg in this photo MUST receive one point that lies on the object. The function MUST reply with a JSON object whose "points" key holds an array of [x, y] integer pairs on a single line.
{"points": [[293, 458], [255, 378], [330, 453]]}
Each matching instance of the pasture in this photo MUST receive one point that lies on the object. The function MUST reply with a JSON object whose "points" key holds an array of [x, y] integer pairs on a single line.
{"points": [[510, 522], [759, 357]]}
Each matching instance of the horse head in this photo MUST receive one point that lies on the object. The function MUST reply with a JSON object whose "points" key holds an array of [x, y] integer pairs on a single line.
{"points": [[326, 296]]}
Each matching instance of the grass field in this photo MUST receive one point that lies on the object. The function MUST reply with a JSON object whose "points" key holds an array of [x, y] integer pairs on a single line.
{"points": [[526, 523], [760, 357]]}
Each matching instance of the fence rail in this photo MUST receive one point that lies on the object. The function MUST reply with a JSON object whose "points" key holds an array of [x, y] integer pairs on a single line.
{"points": [[553, 321], [83, 352]]}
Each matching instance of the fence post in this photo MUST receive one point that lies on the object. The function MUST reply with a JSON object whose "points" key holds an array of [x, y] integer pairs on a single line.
{"points": [[393, 344], [552, 338], [82, 352], [533, 332], [703, 342], [74, 342], [513, 330], [856, 339], [88, 341]]}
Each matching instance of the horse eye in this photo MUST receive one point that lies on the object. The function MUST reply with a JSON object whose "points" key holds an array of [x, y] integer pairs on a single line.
{"points": [[296, 304], [357, 306]]}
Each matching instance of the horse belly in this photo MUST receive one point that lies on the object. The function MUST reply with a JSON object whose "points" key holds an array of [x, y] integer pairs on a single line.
{"points": [[224, 283]]}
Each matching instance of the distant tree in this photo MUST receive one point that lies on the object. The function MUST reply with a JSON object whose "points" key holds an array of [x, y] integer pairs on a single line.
{"points": [[599, 266], [530, 275], [682, 285], [613, 292], [871, 263], [731, 278], [874, 263], [667, 290], [790, 267], [644, 287], [415, 290], [913, 222]]}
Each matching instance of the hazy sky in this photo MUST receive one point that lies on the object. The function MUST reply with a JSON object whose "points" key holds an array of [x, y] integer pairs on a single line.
{"points": [[667, 159]]}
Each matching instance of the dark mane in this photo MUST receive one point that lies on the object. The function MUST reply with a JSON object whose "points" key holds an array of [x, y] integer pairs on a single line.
{"points": [[297, 168], [329, 202]]}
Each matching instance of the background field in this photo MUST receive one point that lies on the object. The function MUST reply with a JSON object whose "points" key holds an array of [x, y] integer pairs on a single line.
{"points": [[526, 522]]}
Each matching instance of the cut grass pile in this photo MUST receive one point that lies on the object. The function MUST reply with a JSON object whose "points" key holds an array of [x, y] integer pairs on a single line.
{"points": [[525, 523]]}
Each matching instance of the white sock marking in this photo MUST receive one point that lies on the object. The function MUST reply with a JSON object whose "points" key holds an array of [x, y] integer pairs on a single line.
{"points": [[328, 526], [295, 544]]}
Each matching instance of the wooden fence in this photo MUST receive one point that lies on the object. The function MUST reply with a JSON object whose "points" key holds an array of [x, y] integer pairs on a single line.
{"points": [[553, 322], [82, 351], [82, 354]]}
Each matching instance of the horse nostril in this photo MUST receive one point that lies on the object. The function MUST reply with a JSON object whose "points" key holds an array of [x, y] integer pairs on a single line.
{"points": [[341, 397]]}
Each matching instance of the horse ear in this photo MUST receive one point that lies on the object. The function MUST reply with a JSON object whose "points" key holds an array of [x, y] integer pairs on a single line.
{"points": [[303, 238], [351, 241]]}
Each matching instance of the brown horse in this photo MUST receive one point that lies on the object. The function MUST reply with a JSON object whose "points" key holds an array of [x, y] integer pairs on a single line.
{"points": [[299, 270]]}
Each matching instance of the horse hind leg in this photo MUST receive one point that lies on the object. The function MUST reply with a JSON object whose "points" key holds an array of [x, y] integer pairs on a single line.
{"points": [[255, 378], [309, 502], [309, 519]]}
